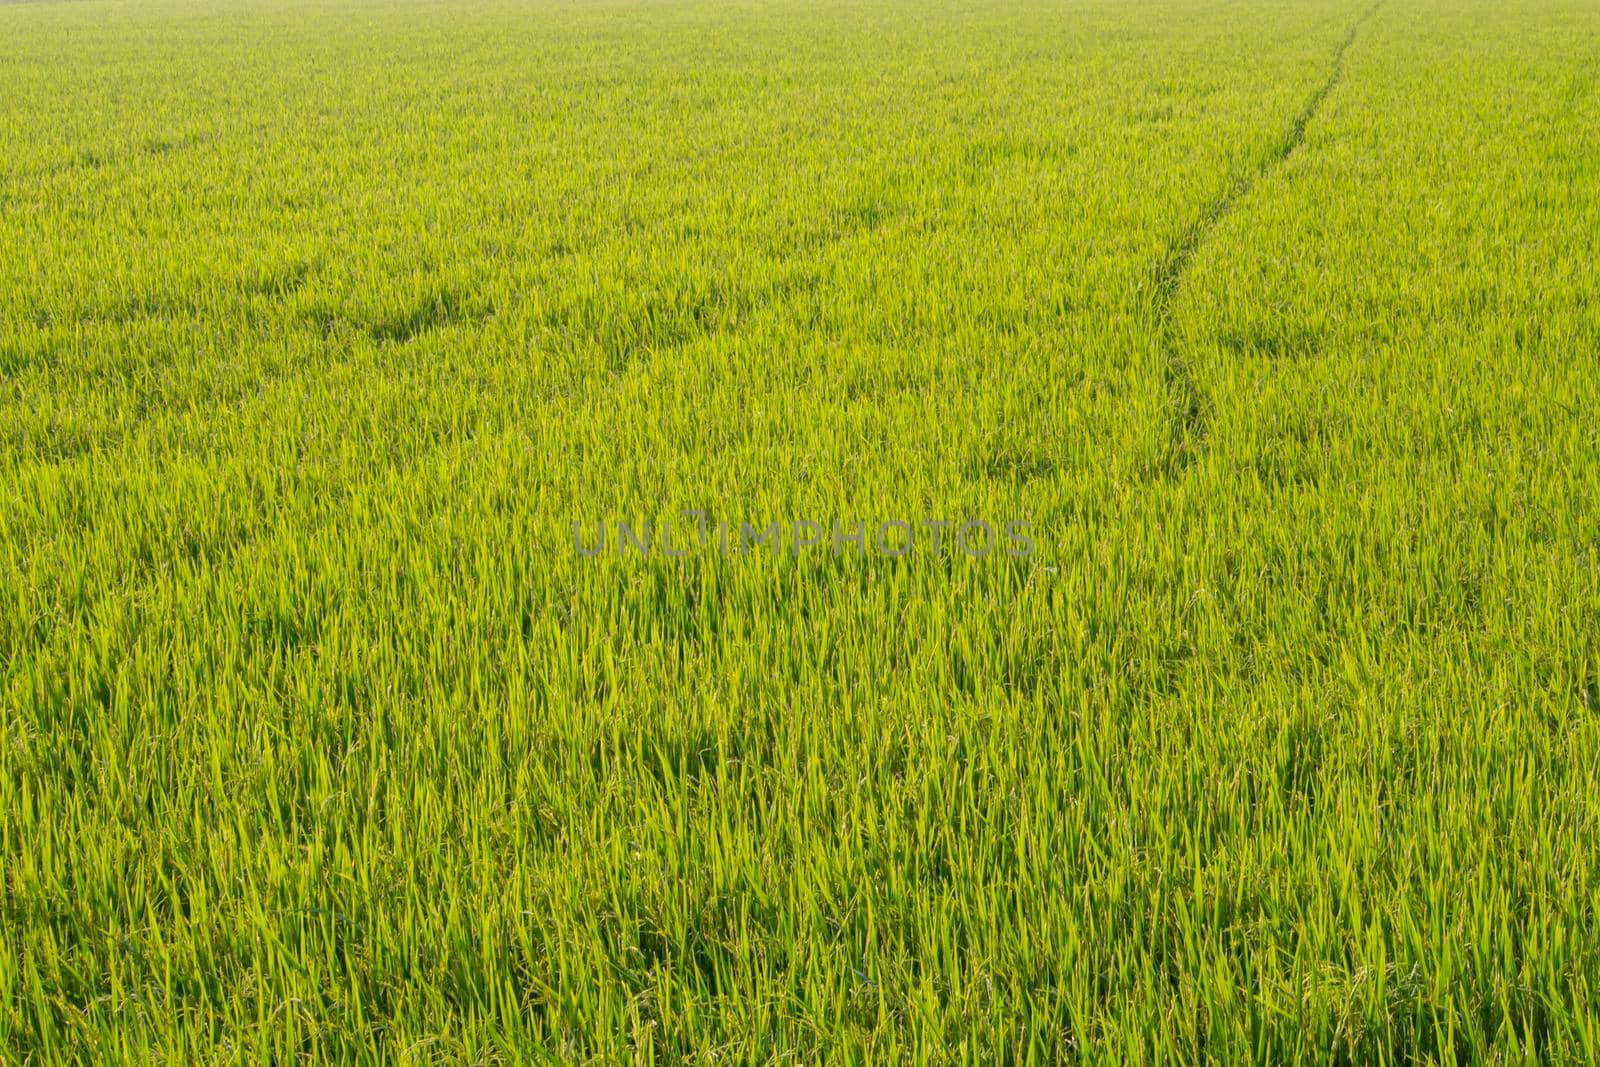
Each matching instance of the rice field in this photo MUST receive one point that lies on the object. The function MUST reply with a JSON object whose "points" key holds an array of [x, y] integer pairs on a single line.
{"points": [[855, 531]]}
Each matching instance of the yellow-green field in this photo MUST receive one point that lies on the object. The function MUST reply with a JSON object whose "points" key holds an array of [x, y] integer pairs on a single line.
{"points": [[325, 328]]}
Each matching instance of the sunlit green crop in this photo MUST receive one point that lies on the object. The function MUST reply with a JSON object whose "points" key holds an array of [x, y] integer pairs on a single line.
{"points": [[1276, 324]]}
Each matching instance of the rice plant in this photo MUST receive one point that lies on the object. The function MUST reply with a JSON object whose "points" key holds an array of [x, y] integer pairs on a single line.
{"points": [[492, 508]]}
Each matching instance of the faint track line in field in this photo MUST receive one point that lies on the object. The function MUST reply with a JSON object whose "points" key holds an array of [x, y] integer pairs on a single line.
{"points": [[1191, 424]]}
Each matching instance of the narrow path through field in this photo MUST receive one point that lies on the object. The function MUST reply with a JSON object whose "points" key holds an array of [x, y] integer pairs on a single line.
{"points": [[1190, 423]]}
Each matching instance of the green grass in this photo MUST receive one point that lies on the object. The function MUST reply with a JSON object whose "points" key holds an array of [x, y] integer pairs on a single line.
{"points": [[321, 324]]}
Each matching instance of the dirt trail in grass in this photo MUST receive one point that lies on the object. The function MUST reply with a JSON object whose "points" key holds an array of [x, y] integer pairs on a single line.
{"points": [[1190, 424]]}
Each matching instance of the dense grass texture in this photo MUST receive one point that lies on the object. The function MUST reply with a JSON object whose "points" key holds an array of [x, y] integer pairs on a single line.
{"points": [[322, 324]]}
